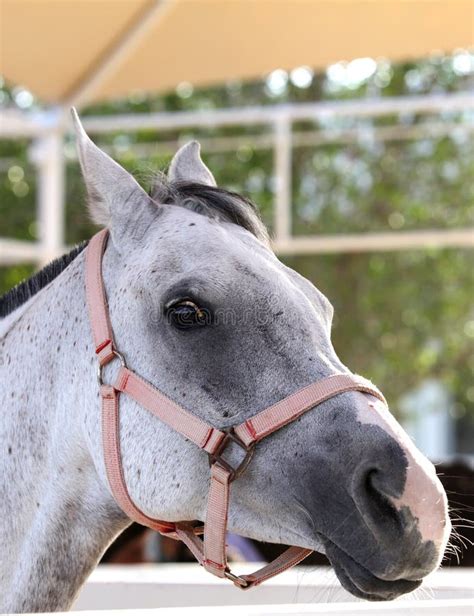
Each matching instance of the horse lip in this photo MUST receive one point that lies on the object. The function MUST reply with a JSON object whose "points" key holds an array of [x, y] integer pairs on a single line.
{"points": [[361, 582]]}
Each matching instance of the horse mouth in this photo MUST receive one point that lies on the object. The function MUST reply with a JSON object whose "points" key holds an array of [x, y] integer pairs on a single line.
{"points": [[360, 582]]}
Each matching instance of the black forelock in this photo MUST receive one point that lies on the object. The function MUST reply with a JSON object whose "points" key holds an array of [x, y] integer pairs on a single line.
{"points": [[213, 202]]}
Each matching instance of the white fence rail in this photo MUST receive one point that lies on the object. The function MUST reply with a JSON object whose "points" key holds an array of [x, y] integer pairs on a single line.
{"points": [[47, 131], [304, 590]]}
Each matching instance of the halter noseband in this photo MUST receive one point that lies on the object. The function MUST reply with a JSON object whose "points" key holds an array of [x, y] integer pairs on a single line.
{"points": [[210, 552]]}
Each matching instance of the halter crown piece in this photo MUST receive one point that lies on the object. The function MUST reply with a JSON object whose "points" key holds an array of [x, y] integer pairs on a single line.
{"points": [[210, 552]]}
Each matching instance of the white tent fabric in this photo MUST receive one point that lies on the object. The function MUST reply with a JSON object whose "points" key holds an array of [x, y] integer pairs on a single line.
{"points": [[76, 51]]}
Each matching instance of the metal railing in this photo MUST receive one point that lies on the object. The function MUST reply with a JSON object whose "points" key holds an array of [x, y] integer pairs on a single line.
{"points": [[47, 131]]}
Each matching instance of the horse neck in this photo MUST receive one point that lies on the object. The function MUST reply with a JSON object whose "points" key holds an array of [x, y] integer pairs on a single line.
{"points": [[57, 516]]}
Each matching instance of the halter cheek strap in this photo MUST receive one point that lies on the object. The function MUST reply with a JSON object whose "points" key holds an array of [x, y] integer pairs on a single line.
{"points": [[210, 552]]}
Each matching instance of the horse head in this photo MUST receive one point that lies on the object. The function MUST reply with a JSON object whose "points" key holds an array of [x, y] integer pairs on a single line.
{"points": [[204, 310]]}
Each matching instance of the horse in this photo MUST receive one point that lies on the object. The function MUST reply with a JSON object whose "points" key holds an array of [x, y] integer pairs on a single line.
{"points": [[202, 308]]}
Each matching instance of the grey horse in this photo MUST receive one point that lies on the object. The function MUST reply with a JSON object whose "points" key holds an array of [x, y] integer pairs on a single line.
{"points": [[344, 479]]}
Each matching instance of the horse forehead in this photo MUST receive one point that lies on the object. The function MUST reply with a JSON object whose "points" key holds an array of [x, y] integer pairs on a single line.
{"points": [[193, 239], [185, 241]]}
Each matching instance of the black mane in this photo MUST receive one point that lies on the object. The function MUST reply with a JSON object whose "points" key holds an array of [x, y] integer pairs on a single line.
{"points": [[29, 287], [214, 202]]}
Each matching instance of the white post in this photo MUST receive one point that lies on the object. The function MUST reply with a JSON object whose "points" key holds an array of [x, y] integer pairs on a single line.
{"points": [[282, 176], [47, 153], [428, 420]]}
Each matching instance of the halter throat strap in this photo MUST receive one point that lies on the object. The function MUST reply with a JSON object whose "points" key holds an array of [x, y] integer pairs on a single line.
{"points": [[211, 552]]}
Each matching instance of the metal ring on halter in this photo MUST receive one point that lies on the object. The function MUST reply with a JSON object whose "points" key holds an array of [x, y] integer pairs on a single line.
{"points": [[216, 456], [119, 356], [238, 581]]}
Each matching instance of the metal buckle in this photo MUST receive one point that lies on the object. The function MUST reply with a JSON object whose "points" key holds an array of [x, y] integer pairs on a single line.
{"points": [[216, 457], [100, 367], [236, 579]]}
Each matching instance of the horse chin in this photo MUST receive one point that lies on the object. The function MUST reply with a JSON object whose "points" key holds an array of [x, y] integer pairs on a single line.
{"points": [[360, 582]]}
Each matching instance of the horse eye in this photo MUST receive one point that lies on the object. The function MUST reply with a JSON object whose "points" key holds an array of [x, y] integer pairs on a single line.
{"points": [[185, 314]]}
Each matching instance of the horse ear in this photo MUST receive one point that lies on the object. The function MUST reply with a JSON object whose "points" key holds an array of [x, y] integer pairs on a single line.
{"points": [[187, 166], [116, 199]]}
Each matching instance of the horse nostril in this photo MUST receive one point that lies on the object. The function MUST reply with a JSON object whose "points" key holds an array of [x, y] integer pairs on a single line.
{"points": [[373, 499], [379, 483]]}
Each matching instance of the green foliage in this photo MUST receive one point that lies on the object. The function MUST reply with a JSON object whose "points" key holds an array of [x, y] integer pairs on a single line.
{"points": [[17, 191], [10, 276], [399, 317], [397, 185]]}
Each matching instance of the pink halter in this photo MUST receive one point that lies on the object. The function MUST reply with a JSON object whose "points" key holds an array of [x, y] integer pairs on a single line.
{"points": [[210, 552]]}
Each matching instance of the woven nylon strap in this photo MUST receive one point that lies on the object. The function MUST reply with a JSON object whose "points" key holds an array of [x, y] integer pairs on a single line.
{"points": [[210, 552]]}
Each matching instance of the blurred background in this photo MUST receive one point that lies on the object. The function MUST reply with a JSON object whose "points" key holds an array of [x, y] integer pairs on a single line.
{"points": [[349, 124]]}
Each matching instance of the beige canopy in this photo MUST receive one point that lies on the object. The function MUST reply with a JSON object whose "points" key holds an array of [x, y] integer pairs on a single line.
{"points": [[73, 51]]}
